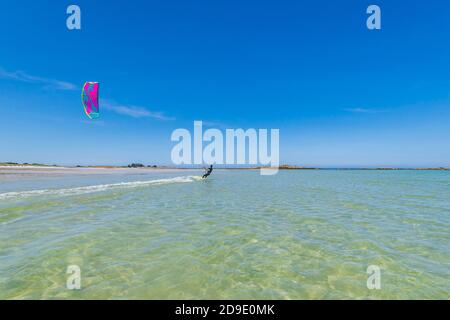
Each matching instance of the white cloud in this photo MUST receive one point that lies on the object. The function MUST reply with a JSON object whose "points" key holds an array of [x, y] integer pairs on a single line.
{"points": [[25, 77], [133, 111], [93, 123], [215, 124], [128, 110], [363, 110]]}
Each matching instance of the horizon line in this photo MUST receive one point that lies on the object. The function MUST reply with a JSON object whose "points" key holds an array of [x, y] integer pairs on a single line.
{"points": [[230, 167]]}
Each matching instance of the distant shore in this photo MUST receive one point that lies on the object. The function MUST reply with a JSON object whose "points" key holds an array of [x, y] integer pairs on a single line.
{"points": [[12, 166], [289, 167]]}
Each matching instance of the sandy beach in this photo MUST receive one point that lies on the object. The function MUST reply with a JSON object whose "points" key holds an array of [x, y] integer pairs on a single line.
{"points": [[11, 170]]}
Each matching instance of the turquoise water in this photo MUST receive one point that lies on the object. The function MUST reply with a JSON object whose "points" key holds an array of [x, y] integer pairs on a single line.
{"points": [[239, 235]]}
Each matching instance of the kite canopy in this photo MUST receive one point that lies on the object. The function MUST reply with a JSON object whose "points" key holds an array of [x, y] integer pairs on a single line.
{"points": [[89, 96]]}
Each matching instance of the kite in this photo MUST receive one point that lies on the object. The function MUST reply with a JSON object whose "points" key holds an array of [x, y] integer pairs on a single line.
{"points": [[89, 97]]}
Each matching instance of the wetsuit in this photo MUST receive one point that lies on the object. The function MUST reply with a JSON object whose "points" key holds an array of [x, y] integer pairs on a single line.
{"points": [[208, 172]]}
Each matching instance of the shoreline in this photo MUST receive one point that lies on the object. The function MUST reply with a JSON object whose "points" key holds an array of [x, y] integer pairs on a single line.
{"points": [[174, 169], [32, 170]]}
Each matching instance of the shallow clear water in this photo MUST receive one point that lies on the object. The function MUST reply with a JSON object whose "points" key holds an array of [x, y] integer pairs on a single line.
{"points": [[238, 235]]}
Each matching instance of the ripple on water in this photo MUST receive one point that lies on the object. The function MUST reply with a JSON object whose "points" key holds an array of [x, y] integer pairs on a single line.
{"points": [[296, 235]]}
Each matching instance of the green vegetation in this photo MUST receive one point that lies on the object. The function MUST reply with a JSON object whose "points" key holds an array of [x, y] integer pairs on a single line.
{"points": [[25, 164]]}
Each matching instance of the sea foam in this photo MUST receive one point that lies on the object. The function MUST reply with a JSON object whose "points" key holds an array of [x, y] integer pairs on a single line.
{"points": [[96, 188]]}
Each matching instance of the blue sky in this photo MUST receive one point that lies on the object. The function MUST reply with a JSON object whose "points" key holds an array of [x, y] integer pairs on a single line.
{"points": [[340, 94]]}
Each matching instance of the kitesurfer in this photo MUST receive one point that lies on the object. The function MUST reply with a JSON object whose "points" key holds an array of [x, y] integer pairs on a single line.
{"points": [[207, 172]]}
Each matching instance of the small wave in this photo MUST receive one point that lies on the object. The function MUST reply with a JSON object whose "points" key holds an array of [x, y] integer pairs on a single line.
{"points": [[97, 188]]}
